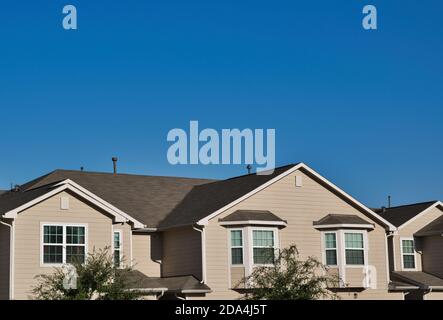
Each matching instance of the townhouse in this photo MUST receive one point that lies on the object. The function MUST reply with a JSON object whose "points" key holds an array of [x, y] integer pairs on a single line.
{"points": [[198, 238]]}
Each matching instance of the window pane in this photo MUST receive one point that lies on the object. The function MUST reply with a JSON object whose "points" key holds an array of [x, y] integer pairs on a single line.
{"points": [[408, 246], [53, 234], [262, 238], [237, 256], [75, 254], [52, 254], [354, 240], [355, 257], [263, 255], [236, 238], [331, 257], [330, 240], [408, 261], [117, 240], [117, 258], [75, 235]]}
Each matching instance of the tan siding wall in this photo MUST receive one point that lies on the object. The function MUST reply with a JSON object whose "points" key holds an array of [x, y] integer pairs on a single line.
{"points": [[27, 236], [4, 261], [300, 207], [355, 277], [408, 231], [237, 277], [371, 295], [146, 250], [433, 255], [434, 296], [182, 253]]}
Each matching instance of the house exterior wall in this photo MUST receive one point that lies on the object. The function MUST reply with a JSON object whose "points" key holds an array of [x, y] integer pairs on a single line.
{"points": [[146, 250], [408, 231], [299, 206], [182, 253], [28, 236], [433, 255], [4, 261]]}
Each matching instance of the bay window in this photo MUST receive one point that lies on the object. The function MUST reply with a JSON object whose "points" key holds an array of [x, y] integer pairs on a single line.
{"points": [[263, 246], [330, 248], [62, 243], [237, 247], [354, 248]]}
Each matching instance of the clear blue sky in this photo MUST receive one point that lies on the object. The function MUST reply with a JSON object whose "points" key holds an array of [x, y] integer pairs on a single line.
{"points": [[364, 108]]}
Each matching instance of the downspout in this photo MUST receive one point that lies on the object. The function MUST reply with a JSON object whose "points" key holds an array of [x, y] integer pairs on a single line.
{"points": [[203, 248], [388, 270], [11, 257]]}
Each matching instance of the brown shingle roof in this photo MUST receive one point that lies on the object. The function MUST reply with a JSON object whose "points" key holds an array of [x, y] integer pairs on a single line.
{"points": [[156, 201], [179, 284], [332, 219], [148, 199], [256, 215], [401, 214], [422, 279]]}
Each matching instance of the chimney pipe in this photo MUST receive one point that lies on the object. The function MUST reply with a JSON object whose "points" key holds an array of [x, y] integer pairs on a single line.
{"points": [[114, 160], [389, 201], [249, 167]]}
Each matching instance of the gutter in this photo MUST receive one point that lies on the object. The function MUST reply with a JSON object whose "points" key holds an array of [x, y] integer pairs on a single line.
{"points": [[11, 257]]}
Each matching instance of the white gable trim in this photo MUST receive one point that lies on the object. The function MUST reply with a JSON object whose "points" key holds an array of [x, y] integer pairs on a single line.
{"points": [[68, 184], [435, 205], [390, 226]]}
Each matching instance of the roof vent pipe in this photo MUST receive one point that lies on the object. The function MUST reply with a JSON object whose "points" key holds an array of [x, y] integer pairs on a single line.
{"points": [[389, 201], [114, 160]]}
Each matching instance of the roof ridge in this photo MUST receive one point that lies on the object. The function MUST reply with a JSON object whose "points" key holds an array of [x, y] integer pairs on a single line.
{"points": [[130, 174], [411, 204]]}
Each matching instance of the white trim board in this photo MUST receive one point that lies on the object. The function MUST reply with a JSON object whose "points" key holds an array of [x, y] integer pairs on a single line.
{"points": [[70, 185], [435, 205], [371, 213]]}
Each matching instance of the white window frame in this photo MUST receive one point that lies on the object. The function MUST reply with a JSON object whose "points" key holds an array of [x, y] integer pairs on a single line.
{"points": [[120, 249], [365, 248], [324, 249], [63, 244], [251, 245], [233, 247], [403, 268]]}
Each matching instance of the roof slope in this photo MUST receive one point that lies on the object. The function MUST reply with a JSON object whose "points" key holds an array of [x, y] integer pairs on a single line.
{"points": [[422, 279], [148, 199], [208, 198], [332, 219], [178, 284], [401, 214], [252, 215]]}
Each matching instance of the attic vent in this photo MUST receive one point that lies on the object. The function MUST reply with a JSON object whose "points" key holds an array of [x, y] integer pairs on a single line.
{"points": [[298, 181], [64, 203]]}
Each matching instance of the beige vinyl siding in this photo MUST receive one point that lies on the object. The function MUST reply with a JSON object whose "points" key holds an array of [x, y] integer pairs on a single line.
{"points": [[237, 277], [146, 250], [370, 295], [433, 296], [355, 277], [182, 253], [299, 206], [408, 231], [4, 261], [433, 255], [28, 236]]}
